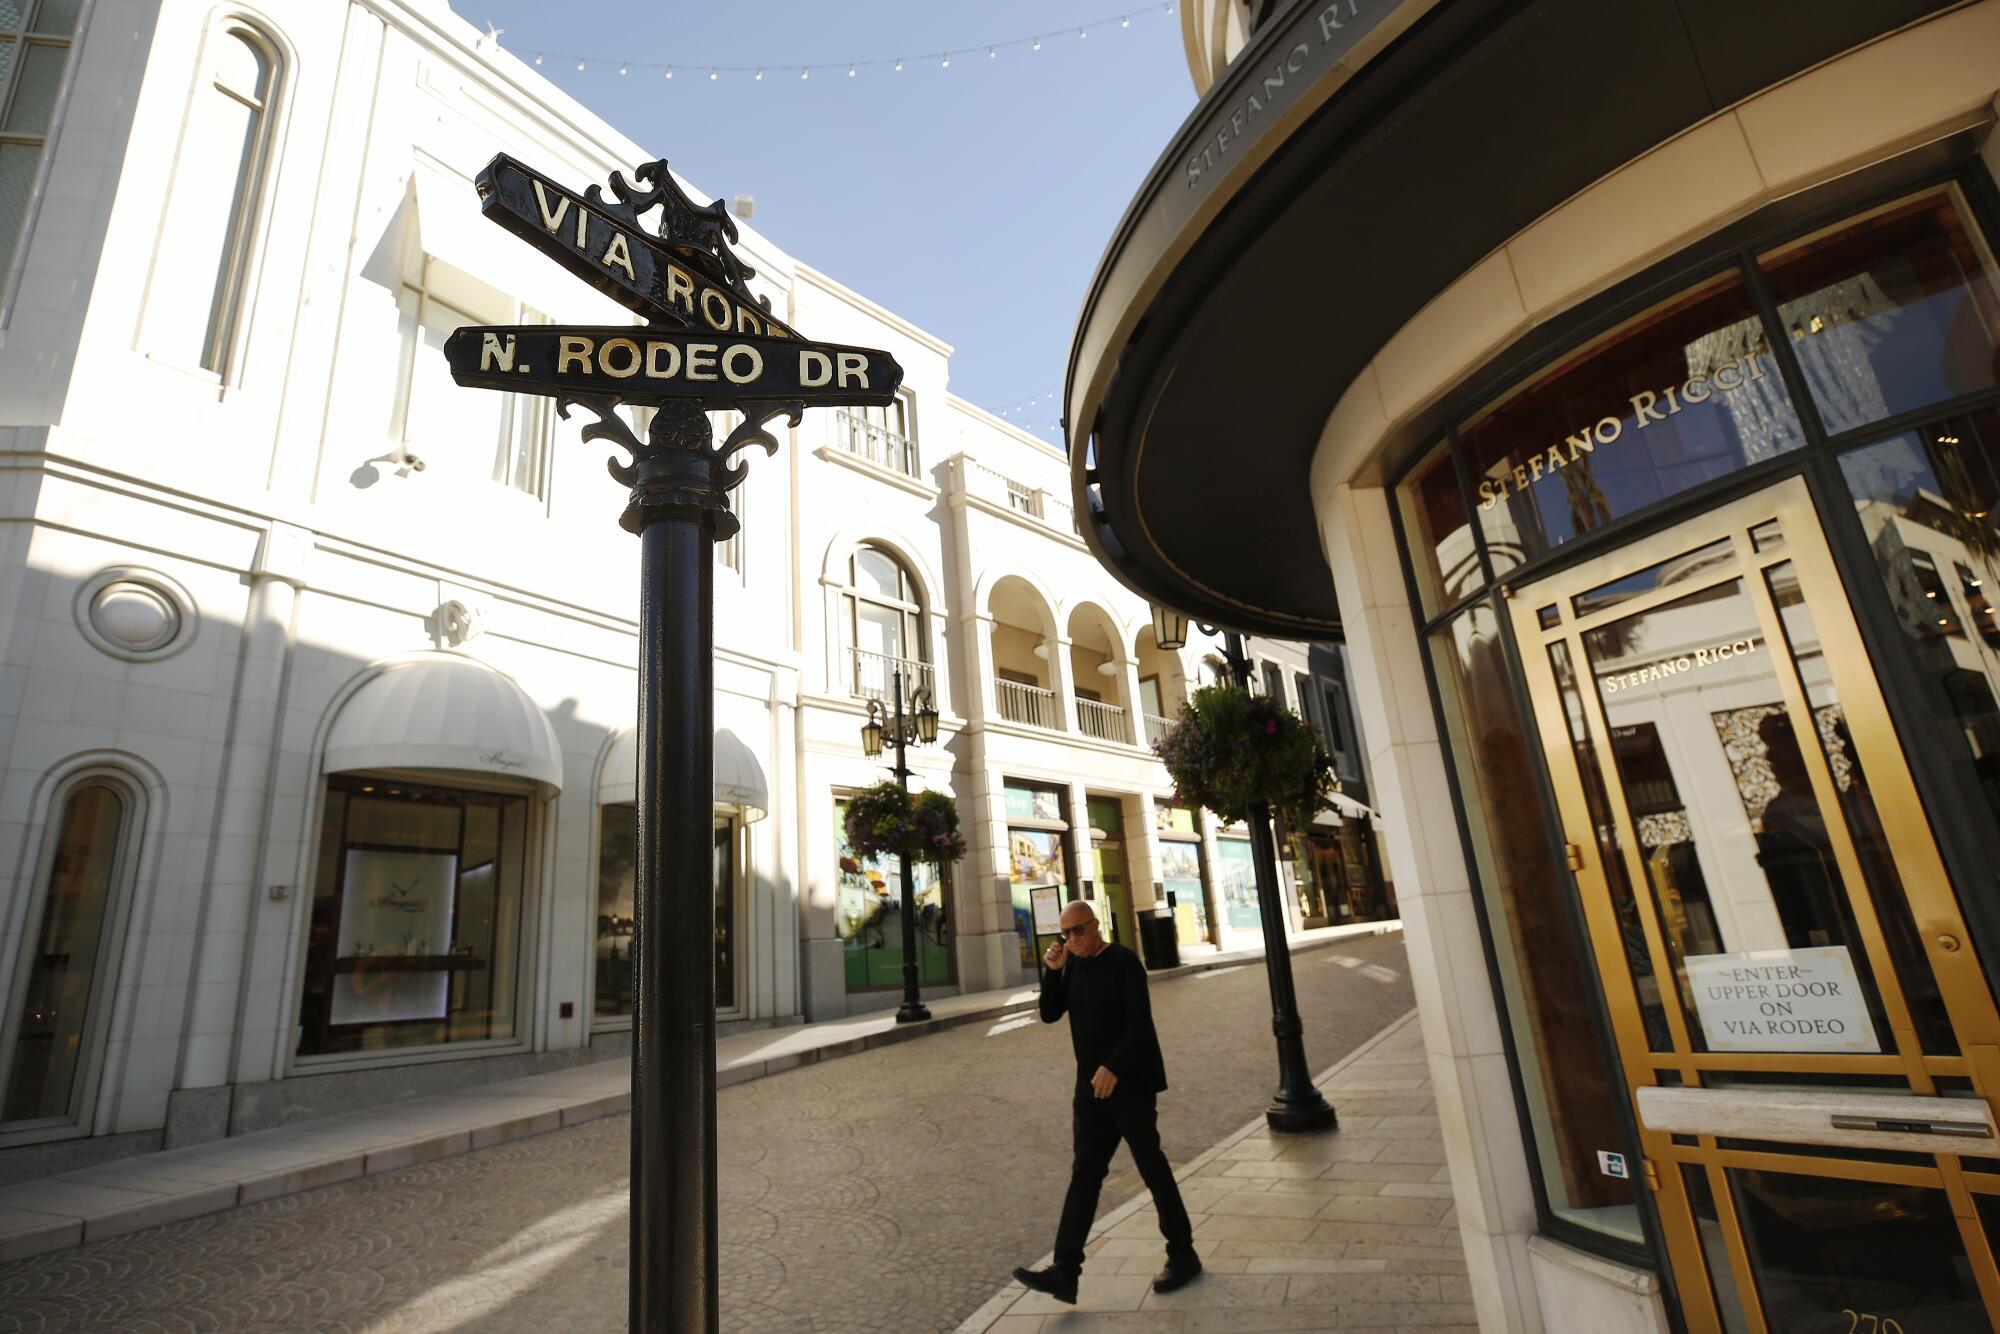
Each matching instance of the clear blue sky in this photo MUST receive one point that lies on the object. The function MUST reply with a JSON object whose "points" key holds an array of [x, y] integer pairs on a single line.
{"points": [[973, 201]]}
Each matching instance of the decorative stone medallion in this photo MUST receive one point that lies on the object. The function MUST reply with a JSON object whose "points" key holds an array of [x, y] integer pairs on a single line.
{"points": [[136, 614]]}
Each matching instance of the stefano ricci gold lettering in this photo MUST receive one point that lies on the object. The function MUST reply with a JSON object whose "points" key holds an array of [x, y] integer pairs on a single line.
{"points": [[1711, 656], [1647, 407]]}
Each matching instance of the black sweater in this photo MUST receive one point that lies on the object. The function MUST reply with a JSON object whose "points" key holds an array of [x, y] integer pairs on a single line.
{"points": [[1110, 1019]]}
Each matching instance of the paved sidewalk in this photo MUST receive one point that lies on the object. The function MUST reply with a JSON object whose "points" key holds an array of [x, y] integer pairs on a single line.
{"points": [[149, 1190], [1351, 1231]]}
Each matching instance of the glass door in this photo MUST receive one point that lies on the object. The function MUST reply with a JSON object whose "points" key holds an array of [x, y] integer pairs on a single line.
{"points": [[1809, 1037]]}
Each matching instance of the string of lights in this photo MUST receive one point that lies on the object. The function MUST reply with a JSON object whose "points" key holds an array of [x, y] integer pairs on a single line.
{"points": [[703, 72], [1037, 415]]}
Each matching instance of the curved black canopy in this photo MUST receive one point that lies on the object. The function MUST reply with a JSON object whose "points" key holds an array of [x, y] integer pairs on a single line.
{"points": [[1304, 213]]}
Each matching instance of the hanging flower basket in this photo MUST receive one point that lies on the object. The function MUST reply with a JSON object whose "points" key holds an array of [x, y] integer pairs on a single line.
{"points": [[1231, 749], [884, 821]]}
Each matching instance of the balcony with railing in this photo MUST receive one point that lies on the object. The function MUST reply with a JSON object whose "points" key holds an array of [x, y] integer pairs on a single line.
{"points": [[1156, 727], [874, 677], [877, 444], [1028, 705], [1105, 722], [1043, 506]]}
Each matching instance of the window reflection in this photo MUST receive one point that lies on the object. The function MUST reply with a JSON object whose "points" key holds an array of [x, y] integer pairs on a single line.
{"points": [[1436, 525], [617, 849], [56, 998], [1891, 310], [1569, 1094], [1685, 393], [1925, 501], [1731, 837]]}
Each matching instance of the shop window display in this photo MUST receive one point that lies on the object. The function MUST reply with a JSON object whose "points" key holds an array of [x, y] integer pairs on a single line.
{"points": [[1037, 821], [616, 849], [1236, 883], [1182, 875], [417, 917], [869, 917]]}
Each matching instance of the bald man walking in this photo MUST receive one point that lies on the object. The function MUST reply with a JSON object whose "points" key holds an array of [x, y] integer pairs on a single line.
{"points": [[1119, 1075]]}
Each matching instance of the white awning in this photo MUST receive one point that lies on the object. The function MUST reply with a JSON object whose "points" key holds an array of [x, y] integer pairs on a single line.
{"points": [[451, 228], [1347, 808], [739, 775], [444, 711]]}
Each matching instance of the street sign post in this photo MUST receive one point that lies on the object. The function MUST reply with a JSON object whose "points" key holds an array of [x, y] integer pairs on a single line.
{"points": [[708, 344]]}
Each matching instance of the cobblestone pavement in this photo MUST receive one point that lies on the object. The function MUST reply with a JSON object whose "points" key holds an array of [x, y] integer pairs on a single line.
{"points": [[888, 1191]]}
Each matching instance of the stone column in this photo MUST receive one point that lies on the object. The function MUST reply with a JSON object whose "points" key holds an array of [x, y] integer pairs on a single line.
{"points": [[1060, 682], [1481, 1130], [232, 893], [1128, 685]]}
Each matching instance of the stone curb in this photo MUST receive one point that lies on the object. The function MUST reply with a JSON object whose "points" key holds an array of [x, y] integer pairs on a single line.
{"points": [[174, 1185], [998, 1304]]}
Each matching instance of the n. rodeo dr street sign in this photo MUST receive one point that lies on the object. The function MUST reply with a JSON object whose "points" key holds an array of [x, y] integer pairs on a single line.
{"points": [[638, 364]]}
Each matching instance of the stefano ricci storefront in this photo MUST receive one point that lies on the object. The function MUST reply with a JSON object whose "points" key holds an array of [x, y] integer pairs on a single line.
{"points": [[1627, 381]]}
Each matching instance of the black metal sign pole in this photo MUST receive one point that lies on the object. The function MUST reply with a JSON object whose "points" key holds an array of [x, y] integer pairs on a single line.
{"points": [[709, 344], [1297, 1105], [678, 514]]}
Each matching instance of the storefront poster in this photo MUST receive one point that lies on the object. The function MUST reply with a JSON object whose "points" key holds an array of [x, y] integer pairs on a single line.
{"points": [[1048, 909], [1236, 881], [1034, 803], [394, 906], [1034, 857], [1781, 1000]]}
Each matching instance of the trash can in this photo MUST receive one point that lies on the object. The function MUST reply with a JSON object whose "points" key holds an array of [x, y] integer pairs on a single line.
{"points": [[1161, 942]]}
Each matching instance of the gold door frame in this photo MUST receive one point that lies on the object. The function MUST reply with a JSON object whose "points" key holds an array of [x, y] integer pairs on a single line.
{"points": [[1967, 996]]}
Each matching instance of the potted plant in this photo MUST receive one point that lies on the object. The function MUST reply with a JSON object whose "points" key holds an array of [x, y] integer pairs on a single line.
{"points": [[885, 821], [1230, 750]]}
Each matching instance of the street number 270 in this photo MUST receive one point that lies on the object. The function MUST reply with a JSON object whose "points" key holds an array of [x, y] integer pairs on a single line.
{"points": [[1862, 1322]]}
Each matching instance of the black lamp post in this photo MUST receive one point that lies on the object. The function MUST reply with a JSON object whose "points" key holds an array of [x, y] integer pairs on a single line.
{"points": [[920, 728], [1297, 1106]]}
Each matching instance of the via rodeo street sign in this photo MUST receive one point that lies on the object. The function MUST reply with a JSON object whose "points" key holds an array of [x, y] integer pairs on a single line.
{"points": [[708, 343]]}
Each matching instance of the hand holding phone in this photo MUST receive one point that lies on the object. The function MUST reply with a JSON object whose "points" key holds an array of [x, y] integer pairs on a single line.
{"points": [[1058, 953]]}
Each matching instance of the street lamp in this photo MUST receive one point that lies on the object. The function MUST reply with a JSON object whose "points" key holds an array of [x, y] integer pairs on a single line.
{"points": [[1297, 1105], [919, 728]]}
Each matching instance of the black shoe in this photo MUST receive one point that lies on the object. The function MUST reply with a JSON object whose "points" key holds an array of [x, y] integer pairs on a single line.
{"points": [[1056, 1281], [1180, 1271]]}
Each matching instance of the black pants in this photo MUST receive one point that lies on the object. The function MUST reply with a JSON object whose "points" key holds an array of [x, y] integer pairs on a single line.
{"points": [[1099, 1124]]}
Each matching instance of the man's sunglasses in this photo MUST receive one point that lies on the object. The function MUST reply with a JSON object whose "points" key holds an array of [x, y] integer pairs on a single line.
{"points": [[1078, 929]]}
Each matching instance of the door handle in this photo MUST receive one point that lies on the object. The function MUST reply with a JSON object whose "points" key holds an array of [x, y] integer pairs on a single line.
{"points": [[1959, 1129]]}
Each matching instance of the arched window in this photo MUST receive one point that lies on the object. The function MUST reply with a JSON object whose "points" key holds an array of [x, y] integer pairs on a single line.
{"points": [[67, 960], [885, 625], [193, 309]]}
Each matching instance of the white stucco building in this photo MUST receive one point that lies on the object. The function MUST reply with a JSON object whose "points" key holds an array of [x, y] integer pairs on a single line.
{"points": [[317, 673]]}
